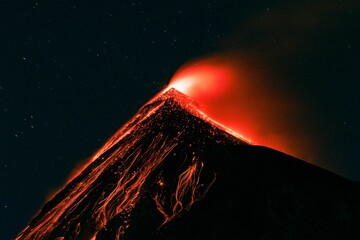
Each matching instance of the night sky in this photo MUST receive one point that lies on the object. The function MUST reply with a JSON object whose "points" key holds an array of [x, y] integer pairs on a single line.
{"points": [[73, 73]]}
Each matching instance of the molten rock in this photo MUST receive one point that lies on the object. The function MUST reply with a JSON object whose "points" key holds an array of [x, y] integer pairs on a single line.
{"points": [[173, 173]]}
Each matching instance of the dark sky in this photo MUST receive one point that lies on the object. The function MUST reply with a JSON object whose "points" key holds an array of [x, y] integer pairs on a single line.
{"points": [[73, 73]]}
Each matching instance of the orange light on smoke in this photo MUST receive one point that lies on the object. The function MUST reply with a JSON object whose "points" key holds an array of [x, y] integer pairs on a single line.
{"points": [[239, 95], [202, 81]]}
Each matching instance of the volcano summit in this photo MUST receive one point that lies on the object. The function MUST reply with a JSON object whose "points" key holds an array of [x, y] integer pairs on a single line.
{"points": [[173, 173]]}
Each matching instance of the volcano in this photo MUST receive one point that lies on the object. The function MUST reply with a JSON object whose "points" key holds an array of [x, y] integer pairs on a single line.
{"points": [[171, 172]]}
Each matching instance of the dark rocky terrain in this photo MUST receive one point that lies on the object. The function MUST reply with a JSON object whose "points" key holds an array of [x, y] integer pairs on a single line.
{"points": [[172, 173]]}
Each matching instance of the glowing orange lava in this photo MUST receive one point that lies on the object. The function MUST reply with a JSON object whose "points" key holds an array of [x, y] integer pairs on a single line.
{"points": [[131, 165], [235, 98], [240, 96]]}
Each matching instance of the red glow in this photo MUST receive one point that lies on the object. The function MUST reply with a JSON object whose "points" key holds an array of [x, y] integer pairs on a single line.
{"points": [[202, 81], [240, 96], [137, 166]]}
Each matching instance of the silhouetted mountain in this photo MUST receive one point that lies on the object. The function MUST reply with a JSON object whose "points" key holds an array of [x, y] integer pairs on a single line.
{"points": [[173, 173]]}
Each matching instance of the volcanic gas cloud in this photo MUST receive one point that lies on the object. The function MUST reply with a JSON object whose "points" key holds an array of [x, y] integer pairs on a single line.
{"points": [[244, 98]]}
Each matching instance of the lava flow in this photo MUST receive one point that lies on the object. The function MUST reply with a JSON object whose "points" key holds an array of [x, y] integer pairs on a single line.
{"points": [[119, 175], [172, 172], [153, 165]]}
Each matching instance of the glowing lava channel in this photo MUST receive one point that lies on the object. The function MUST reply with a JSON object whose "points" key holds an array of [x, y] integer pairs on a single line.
{"points": [[131, 160], [234, 101]]}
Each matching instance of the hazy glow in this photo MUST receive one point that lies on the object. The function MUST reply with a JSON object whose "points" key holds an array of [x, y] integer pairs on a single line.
{"points": [[202, 80], [238, 94]]}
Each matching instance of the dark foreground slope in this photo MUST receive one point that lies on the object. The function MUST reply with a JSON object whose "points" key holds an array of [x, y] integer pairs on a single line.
{"points": [[171, 173]]}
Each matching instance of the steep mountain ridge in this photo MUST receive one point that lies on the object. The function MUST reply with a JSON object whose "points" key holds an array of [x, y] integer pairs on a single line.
{"points": [[173, 173]]}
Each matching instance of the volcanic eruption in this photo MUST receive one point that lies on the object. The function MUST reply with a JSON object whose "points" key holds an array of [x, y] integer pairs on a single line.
{"points": [[172, 172]]}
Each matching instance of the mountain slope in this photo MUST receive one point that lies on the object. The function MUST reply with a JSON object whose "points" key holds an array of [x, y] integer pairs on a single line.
{"points": [[173, 173]]}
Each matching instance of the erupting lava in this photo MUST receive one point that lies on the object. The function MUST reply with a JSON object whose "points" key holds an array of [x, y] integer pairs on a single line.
{"points": [[156, 159], [121, 173], [242, 98]]}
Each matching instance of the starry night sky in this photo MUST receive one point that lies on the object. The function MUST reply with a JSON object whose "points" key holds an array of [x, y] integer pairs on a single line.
{"points": [[73, 73]]}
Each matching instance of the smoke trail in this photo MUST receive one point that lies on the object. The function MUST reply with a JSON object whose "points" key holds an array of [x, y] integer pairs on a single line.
{"points": [[239, 94]]}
